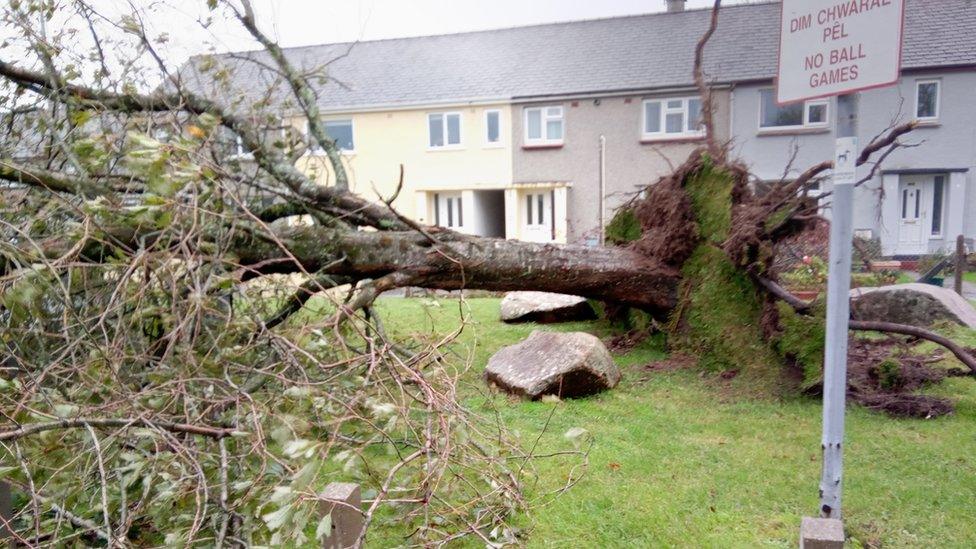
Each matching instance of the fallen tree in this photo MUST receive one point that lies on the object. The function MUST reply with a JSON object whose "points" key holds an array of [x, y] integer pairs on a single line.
{"points": [[142, 300]]}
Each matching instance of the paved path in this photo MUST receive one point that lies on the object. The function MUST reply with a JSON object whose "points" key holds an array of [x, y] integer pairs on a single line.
{"points": [[968, 288]]}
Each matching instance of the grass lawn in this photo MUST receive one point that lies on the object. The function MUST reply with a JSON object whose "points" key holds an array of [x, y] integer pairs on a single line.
{"points": [[678, 459]]}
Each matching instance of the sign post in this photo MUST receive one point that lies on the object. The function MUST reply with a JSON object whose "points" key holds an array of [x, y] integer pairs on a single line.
{"points": [[837, 48]]}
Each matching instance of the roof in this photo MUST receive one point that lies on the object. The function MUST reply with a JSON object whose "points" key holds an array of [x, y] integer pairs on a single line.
{"points": [[640, 52]]}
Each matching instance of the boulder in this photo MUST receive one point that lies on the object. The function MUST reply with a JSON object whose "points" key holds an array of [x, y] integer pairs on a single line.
{"points": [[547, 363], [916, 304], [544, 308]]}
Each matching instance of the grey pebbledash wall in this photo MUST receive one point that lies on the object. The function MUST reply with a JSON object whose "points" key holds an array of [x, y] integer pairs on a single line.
{"points": [[630, 164], [949, 144]]}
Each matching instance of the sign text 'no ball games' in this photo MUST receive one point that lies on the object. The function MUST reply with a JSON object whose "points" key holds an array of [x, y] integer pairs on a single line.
{"points": [[831, 47]]}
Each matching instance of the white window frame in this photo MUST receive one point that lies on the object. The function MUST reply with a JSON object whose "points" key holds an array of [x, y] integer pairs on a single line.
{"points": [[446, 146], [314, 149], [806, 124], [239, 151], [938, 99], [489, 143], [662, 134], [544, 119]]}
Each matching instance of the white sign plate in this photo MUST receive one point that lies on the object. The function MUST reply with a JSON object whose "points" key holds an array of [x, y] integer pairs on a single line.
{"points": [[845, 161], [833, 47]]}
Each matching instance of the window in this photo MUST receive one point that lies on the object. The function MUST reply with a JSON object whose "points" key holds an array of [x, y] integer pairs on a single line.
{"points": [[927, 100], [444, 130], [938, 195], [544, 126], [535, 209], [493, 130], [339, 131], [669, 118], [808, 114], [448, 211], [240, 151]]}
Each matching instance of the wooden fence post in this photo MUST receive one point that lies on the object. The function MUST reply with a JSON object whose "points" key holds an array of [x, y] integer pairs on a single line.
{"points": [[6, 512], [960, 262], [343, 501]]}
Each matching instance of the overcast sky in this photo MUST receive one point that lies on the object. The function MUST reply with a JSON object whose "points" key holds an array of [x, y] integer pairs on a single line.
{"points": [[303, 22]]}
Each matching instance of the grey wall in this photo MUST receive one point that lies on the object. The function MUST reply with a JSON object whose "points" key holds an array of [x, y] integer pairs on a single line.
{"points": [[949, 144], [630, 164]]}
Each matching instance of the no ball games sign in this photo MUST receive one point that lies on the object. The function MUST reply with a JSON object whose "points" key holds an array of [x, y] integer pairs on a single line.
{"points": [[832, 47]]}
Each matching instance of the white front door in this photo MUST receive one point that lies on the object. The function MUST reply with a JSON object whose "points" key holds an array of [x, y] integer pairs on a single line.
{"points": [[448, 210], [537, 216], [911, 223]]}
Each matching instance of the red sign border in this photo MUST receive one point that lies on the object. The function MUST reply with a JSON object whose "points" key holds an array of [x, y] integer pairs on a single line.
{"points": [[779, 60]]}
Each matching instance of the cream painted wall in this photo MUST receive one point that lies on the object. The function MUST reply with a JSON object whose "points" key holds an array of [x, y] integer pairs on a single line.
{"points": [[384, 140]]}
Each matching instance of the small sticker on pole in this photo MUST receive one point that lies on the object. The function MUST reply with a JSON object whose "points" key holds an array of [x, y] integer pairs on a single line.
{"points": [[845, 161], [834, 47]]}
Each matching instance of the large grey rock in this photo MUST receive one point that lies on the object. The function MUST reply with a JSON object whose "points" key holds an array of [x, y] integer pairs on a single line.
{"points": [[917, 304], [547, 363], [544, 307]]}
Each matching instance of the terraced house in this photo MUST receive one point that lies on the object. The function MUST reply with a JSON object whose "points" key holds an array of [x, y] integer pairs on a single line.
{"points": [[540, 132]]}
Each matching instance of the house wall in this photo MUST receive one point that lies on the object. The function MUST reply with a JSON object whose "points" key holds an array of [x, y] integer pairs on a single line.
{"points": [[630, 164], [385, 140], [948, 144]]}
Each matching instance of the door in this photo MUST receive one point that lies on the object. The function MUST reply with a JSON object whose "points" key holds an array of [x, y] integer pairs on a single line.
{"points": [[537, 224], [448, 210], [911, 224]]}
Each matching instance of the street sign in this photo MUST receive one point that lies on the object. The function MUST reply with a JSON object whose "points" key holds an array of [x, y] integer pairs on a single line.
{"points": [[832, 47], [828, 48], [845, 161]]}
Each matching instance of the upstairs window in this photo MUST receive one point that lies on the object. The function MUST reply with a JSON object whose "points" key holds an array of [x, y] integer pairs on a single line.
{"points": [[927, 100], [339, 131], [493, 129], [673, 118], [444, 130], [807, 114], [544, 126]]}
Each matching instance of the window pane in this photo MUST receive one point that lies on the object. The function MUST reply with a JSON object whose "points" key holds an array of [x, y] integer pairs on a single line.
{"points": [[340, 131], [674, 123], [817, 113], [453, 129], [554, 111], [450, 212], [694, 114], [937, 189], [534, 123], [652, 117], [928, 98], [674, 104], [436, 123], [437, 209], [541, 215], [774, 115], [528, 209], [554, 129], [460, 222], [493, 127]]}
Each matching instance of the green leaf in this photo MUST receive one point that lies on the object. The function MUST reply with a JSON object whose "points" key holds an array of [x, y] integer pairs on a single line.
{"points": [[324, 528]]}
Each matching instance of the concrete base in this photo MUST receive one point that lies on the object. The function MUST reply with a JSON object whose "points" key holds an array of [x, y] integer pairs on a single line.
{"points": [[821, 533]]}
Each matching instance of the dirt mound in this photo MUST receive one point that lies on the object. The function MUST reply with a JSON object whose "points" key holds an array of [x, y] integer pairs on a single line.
{"points": [[885, 375]]}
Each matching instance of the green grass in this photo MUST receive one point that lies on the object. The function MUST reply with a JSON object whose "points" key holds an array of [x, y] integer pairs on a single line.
{"points": [[969, 277], [681, 459]]}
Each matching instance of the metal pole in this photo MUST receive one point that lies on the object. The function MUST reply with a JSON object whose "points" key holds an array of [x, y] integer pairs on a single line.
{"points": [[838, 314], [603, 190]]}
